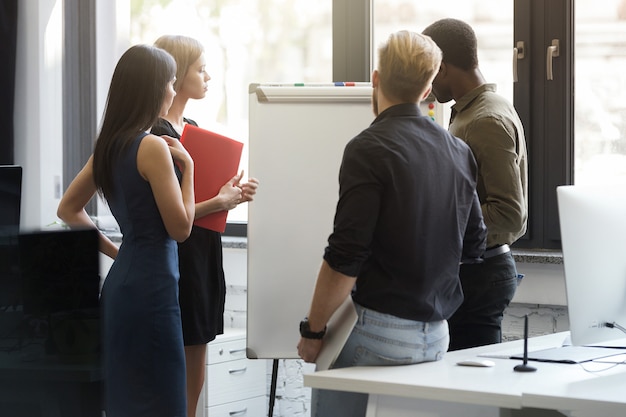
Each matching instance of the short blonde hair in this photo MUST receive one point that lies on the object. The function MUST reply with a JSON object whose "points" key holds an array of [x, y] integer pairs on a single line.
{"points": [[407, 63], [185, 51]]}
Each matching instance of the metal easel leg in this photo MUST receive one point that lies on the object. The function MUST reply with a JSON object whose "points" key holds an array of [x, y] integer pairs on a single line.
{"points": [[273, 388]]}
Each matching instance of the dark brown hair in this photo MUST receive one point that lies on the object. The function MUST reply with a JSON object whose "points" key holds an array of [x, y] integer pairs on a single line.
{"points": [[134, 103]]}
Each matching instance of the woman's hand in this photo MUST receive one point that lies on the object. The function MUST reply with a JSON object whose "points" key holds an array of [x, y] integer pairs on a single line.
{"points": [[174, 197], [248, 189], [178, 151], [231, 194]]}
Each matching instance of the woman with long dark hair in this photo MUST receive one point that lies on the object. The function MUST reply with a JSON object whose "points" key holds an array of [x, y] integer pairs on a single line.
{"points": [[144, 363]]}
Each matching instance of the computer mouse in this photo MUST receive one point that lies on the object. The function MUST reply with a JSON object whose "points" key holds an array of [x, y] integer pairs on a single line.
{"points": [[485, 363]]}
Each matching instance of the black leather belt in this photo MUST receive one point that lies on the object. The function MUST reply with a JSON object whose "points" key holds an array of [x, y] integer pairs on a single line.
{"points": [[495, 251]]}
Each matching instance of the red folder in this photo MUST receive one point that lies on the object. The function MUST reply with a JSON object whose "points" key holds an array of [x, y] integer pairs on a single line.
{"points": [[216, 160]]}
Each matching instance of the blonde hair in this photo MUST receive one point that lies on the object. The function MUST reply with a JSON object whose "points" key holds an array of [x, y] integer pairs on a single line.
{"points": [[185, 51], [407, 63]]}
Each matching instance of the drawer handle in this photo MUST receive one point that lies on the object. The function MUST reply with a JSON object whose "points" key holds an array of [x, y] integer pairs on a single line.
{"points": [[238, 371], [233, 351], [238, 413]]}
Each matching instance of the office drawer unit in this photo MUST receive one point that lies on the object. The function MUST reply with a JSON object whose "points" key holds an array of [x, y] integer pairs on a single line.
{"points": [[236, 386]]}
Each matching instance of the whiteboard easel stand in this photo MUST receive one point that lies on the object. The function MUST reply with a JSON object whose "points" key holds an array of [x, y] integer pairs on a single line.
{"points": [[273, 387], [284, 123]]}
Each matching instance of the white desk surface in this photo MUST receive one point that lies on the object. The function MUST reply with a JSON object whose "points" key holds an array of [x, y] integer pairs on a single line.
{"points": [[553, 386], [599, 393]]}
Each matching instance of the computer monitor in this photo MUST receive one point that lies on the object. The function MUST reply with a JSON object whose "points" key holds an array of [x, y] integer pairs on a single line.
{"points": [[10, 199], [59, 273], [10, 204], [593, 237], [10, 286]]}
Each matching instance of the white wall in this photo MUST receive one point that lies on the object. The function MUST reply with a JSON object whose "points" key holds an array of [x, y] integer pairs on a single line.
{"points": [[543, 283]]}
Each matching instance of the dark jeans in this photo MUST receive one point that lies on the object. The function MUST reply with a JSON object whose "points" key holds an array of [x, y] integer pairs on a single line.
{"points": [[488, 289]]}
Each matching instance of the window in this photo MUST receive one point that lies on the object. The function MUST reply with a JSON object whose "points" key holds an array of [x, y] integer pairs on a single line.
{"points": [[491, 20], [246, 41], [575, 124], [600, 112], [544, 105]]}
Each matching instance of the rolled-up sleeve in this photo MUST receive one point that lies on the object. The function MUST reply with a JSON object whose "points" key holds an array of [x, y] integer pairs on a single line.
{"points": [[360, 194]]}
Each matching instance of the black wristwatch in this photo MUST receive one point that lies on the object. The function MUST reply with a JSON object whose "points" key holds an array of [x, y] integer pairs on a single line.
{"points": [[305, 330]]}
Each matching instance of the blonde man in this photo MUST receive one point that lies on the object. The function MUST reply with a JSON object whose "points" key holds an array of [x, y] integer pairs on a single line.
{"points": [[407, 216]]}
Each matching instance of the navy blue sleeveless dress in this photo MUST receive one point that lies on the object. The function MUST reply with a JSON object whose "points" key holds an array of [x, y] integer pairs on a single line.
{"points": [[144, 361]]}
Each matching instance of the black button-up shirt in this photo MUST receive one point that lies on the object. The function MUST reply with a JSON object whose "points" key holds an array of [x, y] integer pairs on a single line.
{"points": [[407, 215]]}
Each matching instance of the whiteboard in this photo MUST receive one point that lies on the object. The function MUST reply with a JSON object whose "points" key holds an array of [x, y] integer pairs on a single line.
{"points": [[296, 142]]}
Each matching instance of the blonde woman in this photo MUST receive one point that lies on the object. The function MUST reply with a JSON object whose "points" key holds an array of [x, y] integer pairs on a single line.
{"points": [[202, 284]]}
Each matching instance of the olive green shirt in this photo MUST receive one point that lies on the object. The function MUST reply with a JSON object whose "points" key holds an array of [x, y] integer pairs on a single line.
{"points": [[489, 124]]}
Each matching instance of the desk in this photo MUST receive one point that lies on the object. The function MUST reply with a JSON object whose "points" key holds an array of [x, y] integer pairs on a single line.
{"points": [[445, 389]]}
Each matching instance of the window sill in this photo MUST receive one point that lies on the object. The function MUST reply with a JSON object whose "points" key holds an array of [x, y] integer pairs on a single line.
{"points": [[538, 256], [543, 283]]}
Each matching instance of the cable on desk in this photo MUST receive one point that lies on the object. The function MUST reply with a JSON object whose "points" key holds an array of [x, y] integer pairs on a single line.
{"points": [[613, 365], [614, 325], [595, 371]]}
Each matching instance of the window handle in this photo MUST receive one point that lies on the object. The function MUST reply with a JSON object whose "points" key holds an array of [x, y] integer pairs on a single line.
{"points": [[552, 52], [518, 53]]}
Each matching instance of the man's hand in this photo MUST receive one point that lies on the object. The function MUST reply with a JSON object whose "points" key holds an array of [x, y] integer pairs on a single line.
{"points": [[309, 349]]}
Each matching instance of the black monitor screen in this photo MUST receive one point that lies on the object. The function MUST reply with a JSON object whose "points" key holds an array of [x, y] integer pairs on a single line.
{"points": [[10, 198], [10, 281], [59, 271]]}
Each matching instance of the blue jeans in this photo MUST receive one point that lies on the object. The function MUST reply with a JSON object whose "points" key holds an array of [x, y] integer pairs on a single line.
{"points": [[380, 339], [488, 288]]}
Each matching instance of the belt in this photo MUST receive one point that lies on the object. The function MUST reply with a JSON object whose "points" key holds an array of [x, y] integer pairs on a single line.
{"points": [[495, 251]]}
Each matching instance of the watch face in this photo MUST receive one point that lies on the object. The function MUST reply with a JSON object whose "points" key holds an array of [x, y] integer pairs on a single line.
{"points": [[304, 327], [305, 331]]}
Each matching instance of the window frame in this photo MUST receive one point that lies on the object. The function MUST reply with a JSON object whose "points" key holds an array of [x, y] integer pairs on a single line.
{"points": [[547, 112], [79, 88]]}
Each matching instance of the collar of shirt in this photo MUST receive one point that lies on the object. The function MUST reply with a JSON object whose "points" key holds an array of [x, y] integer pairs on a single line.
{"points": [[404, 109], [469, 97]]}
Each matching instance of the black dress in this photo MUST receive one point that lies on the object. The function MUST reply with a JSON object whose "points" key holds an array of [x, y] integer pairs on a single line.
{"points": [[144, 359], [202, 284]]}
